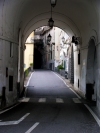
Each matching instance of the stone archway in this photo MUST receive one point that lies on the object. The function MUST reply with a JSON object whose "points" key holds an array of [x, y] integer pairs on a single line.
{"points": [[91, 71]]}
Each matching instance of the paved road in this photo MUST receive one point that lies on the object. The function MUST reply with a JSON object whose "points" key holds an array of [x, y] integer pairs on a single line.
{"points": [[47, 84], [49, 107]]}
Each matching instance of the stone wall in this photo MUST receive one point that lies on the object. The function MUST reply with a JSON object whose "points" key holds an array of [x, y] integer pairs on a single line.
{"points": [[8, 70]]}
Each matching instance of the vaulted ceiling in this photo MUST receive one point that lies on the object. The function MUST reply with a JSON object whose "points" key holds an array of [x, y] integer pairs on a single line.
{"points": [[76, 17]]}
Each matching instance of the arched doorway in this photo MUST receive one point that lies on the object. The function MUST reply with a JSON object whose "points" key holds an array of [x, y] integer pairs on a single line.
{"points": [[91, 71]]}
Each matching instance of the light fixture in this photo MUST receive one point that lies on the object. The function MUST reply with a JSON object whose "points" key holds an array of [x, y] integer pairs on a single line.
{"points": [[51, 22], [76, 40], [53, 3], [49, 38]]}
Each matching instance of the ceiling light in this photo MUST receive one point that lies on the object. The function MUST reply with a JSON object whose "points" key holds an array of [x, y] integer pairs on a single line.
{"points": [[51, 22], [53, 3]]}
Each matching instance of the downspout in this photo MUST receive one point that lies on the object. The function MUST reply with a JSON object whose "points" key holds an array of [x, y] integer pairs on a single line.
{"points": [[19, 56]]}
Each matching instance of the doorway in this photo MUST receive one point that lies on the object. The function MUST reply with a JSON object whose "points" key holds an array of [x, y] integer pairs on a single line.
{"points": [[91, 71], [37, 59]]}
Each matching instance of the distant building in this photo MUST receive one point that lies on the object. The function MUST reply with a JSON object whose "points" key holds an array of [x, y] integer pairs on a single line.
{"points": [[29, 51]]}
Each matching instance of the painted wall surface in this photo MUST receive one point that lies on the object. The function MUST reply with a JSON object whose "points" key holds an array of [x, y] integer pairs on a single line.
{"points": [[76, 71], [10, 62], [83, 70], [29, 51], [28, 55], [57, 44]]}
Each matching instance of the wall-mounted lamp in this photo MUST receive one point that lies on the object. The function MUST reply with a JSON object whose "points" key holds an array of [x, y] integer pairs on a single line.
{"points": [[76, 40], [49, 38]]}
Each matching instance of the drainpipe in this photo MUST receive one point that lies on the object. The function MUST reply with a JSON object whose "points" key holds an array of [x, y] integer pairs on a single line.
{"points": [[19, 54]]}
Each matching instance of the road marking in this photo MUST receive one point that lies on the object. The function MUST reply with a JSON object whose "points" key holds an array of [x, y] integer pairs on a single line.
{"points": [[68, 86], [21, 119], [76, 100], [59, 100], [42, 100], [93, 114], [14, 122], [28, 83], [32, 128], [9, 109], [75, 93], [29, 80], [59, 77], [7, 123], [24, 100]]}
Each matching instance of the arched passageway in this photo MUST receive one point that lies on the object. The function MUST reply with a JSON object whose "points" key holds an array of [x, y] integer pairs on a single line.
{"points": [[78, 18], [75, 17]]}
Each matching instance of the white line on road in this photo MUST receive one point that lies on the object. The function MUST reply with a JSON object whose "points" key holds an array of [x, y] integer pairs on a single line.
{"points": [[75, 93], [68, 86], [59, 100], [14, 122], [93, 114], [76, 100], [28, 83], [29, 79], [32, 128], [7, 123], [42, 100], [60, 78], [21, 119], [9, 109], [24, 100]]}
